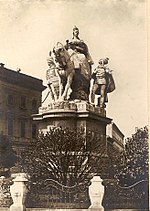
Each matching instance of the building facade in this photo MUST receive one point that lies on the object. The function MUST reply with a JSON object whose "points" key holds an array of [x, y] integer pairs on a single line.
{"points": [[115, 137], [20, 97]]}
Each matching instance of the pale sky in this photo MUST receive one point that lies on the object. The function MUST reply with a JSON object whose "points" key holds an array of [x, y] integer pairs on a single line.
{"points": [[112, 28]]}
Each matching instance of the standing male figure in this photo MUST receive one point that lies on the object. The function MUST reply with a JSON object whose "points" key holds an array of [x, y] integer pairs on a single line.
{"points": [[99, 83]]}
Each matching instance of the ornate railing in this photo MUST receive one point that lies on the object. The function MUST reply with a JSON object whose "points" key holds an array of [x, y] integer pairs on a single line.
{"points": [[52, 194], [132, 197], [5, 196]]}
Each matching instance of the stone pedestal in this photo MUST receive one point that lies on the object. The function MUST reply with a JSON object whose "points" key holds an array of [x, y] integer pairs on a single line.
{"points": [[96, 193], [72, 114], [18, 192]]}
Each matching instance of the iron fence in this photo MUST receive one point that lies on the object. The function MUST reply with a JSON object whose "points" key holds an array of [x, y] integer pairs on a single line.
{"points": [[132, 197], [52, 194]]}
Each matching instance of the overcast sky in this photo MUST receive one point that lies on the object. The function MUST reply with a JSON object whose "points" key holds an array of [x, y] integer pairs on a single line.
{"points": [[112, 28]]}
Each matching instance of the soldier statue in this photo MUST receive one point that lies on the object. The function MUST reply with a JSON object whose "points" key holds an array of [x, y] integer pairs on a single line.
{"points": [[52, 78], [101, 83]]}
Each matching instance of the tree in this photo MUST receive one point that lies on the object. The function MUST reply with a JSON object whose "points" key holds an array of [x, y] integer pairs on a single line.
{"points": [[132, 164], [7, 155], [64, 155]]}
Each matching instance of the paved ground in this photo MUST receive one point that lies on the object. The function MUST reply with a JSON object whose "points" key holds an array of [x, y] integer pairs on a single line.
{"points": [[40, 209]]}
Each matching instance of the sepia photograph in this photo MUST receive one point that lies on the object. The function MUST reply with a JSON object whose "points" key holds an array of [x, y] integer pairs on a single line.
{"points": [[74, 105]]}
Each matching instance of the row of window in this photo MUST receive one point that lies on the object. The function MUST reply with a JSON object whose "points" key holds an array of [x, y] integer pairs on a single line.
{"points": [[22, 128], [23, 102]]}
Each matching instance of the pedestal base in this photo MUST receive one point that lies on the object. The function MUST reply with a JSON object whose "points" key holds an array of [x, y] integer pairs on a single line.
{"points": [[74, 115], [96, 209], [17, 208]]}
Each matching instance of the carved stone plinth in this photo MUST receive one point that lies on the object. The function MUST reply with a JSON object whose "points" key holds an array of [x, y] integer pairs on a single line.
{"points": [[96, 193], [18, 192], [78, 106], [72, 114]]}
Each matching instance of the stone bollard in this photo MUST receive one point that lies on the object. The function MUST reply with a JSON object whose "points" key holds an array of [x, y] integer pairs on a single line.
{"points": [[18, 193], [96, 193]]}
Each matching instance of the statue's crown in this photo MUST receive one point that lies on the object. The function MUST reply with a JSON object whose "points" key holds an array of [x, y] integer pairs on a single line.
{"points": [[75, 28]]}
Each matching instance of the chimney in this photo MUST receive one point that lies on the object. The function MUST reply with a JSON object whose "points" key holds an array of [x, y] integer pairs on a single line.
{"points": [[2, 65], [18, 70]]}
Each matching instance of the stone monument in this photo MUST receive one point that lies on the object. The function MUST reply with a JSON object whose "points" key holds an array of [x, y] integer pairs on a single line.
{"points": [[77, 95], [74, 87]]}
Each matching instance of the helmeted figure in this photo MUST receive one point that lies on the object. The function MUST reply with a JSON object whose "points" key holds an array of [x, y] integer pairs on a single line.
{"points": [[101, 83], [52, 78]]}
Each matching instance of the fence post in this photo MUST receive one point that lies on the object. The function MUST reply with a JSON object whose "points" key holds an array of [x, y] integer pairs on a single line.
{"points": [[96, 193], [18, 193]]}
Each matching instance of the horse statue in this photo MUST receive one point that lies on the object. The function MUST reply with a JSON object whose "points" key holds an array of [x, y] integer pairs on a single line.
{"points": [[63, 68]]}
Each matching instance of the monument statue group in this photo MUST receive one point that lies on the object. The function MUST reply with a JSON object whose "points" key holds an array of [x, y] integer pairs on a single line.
{"points": [[70, 75]]}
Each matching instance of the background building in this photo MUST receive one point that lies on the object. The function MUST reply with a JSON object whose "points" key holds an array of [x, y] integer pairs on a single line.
{"points": [[20, 97], [115, 137]]}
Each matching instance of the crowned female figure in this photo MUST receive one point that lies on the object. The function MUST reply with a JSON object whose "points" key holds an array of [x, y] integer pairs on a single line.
{"points": [[82, 60]]}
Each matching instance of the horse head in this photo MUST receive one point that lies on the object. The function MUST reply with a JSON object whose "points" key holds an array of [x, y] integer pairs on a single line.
{"points": [[60, 55]]}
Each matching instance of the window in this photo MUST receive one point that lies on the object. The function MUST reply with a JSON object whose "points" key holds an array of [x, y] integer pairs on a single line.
{"points": [[34, 105], [10, 125], [10, 100], [34, 130], [23, 102], [22, 129]]}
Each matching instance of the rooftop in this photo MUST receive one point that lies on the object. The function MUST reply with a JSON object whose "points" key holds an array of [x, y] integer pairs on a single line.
{"points": [[20, 79]]}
